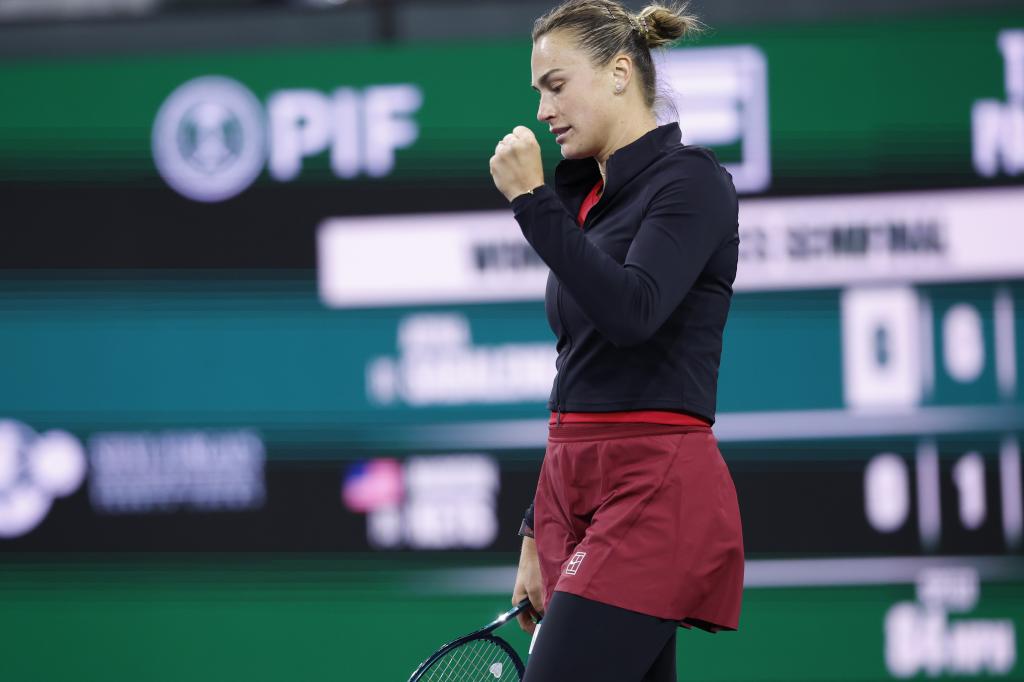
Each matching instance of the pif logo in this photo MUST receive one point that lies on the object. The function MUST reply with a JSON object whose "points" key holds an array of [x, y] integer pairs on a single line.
{"points": [[574, 563], [212, 136]]}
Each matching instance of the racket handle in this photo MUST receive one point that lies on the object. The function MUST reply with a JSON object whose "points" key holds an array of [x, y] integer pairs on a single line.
{"points": [[527, 604]]}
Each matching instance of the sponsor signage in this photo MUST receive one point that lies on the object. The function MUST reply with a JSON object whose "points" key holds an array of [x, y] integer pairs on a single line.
{"points": [[427, 502], [997, 124], [35, 470], [133, 473], [952, 494], [212, 137], [787, 112], [123, 474], [720, 96], [922, 637]]}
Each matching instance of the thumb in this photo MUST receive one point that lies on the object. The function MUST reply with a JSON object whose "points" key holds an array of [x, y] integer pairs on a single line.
{"points": [[526, 624], [524, 133]]}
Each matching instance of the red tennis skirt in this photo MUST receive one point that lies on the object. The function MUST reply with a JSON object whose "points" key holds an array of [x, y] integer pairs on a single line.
{"points": [[643, 517]]}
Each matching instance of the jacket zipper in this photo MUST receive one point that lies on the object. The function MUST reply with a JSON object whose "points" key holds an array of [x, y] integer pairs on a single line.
{"points": [[561, 370], [558, 308]]}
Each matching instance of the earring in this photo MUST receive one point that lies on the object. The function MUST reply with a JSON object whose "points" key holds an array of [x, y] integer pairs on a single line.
{"points": [[618, 88]]}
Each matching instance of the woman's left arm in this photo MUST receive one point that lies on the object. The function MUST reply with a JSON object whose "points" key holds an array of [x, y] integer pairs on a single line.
{"points": [[683, 225]]}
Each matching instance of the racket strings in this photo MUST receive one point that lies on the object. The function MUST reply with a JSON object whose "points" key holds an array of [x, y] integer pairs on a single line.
{"points": [[465, 661], [475, 661]]}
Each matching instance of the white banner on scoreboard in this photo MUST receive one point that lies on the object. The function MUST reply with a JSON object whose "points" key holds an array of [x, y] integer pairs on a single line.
{"points": [[427, 258], [791, 243], [898, 238]]}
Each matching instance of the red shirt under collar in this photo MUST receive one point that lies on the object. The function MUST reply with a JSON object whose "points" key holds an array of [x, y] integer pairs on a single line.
{"points": [[589, 201]]}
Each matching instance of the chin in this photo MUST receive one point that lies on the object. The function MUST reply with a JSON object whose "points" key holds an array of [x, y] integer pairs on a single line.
{"points": [[570, 151]]}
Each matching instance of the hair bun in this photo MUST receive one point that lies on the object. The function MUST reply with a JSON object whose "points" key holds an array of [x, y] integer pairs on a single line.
{"points": [[662, 25]]}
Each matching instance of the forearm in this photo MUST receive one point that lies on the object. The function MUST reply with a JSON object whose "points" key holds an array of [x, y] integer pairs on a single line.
{"points": [[620, 300]]}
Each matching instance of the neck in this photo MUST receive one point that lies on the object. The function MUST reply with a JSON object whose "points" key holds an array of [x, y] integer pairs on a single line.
{"points": [[627, 134]]}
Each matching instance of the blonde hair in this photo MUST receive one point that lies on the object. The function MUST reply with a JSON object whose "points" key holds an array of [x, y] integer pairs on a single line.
{"points": [[604, 28]]}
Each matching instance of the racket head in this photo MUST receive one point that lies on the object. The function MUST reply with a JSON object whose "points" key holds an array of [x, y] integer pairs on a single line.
{"points": [[430, 669], [477, 657]]}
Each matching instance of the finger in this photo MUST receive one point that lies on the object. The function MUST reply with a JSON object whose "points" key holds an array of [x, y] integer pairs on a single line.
{"points": [[538, 604], [524, 133], [525, 623]]}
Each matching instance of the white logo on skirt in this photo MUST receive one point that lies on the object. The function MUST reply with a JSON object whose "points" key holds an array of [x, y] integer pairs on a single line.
{"points": [[574, 563]]}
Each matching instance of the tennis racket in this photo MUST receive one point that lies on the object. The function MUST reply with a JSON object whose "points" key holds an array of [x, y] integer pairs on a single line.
{"points": [[476, 657]]}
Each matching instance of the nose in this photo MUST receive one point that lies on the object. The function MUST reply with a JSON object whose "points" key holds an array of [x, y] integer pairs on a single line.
{"points": [[545, 111]]}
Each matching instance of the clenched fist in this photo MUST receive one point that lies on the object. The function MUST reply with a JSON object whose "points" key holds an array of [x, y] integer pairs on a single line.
{"points": [[516, 166]]}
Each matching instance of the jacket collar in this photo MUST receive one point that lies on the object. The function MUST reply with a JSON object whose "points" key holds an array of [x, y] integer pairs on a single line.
{"points": [[574, 178]]}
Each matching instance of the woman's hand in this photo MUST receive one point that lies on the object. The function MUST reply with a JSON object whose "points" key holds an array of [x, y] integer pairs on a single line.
{"points": [[516, 166], [528, 584]]}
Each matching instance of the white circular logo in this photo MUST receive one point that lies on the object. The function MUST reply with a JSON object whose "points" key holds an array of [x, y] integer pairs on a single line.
{"points": [[34, 469], [209, 142]]}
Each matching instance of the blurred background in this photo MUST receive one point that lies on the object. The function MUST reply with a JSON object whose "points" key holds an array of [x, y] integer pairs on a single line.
{"points": [[274, 361]]}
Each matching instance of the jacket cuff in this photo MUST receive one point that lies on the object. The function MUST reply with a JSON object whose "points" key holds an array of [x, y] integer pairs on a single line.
{"points": [[526, 527], [523, 201]]}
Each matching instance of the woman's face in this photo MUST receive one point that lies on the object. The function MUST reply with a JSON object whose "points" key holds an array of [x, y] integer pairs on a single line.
{"points": [[576, 100]]}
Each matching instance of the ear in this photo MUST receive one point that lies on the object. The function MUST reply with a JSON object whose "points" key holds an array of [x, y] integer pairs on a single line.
{"points": [[622, 69]]}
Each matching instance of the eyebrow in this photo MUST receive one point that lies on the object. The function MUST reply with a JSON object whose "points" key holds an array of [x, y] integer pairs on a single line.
{"points": [[543, 80]]}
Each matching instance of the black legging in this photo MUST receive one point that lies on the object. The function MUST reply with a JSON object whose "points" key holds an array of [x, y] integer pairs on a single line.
{"points": [[581, 639]]}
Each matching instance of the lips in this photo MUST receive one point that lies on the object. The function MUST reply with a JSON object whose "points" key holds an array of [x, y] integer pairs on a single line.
{"points": [[560, 133]]}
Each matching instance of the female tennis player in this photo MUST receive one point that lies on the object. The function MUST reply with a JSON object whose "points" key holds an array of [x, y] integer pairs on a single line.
{"points": [[635, 529]]}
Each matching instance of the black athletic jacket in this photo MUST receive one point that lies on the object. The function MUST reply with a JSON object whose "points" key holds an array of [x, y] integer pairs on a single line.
{"points": [[638, 298]]}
